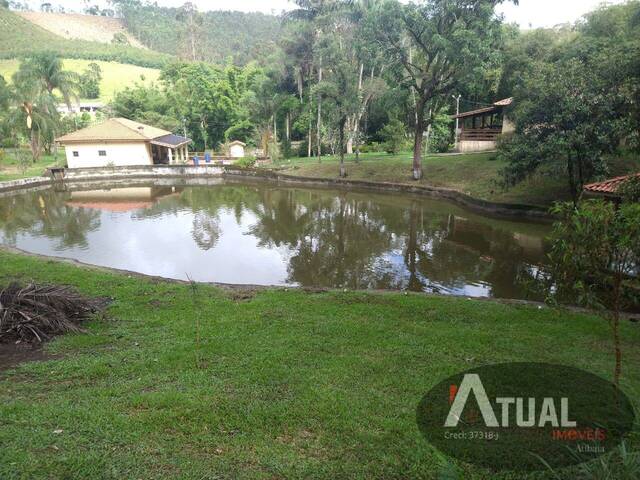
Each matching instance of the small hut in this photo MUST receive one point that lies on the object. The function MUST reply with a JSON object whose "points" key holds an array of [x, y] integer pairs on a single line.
{"points": [[479, 129], [236, 149]]}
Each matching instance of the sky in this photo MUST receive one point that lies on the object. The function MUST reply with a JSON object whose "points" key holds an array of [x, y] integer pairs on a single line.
{"points": [[535, 13]]}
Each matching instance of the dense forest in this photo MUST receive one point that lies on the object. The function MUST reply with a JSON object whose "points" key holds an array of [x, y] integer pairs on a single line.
{"points": [[342, 77], [215, 37]]}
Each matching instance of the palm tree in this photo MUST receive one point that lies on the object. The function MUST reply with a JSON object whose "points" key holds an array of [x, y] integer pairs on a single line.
{"points": [[46, 68], [34, 108]]}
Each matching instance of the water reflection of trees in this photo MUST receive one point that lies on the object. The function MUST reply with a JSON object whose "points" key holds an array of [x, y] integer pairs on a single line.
{"points": [[328, 238], [45, 213]]}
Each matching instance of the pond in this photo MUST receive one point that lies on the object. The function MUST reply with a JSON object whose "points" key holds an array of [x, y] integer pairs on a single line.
{"points": [[267, 234]]}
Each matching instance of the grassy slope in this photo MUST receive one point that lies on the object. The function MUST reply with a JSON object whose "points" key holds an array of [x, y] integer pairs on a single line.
{"points": [[116, 76], [19, 37], [475, 174], [9, 169], [289, 384]]}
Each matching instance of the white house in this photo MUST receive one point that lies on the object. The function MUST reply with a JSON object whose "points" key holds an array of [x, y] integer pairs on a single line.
{"points": [[121, 142], [236, 149], [92, 108]]}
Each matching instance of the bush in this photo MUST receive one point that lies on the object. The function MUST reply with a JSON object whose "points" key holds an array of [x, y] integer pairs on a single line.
{"points": [[630, 190], [9, 143], [373, 147], [395, 135], [303, 149], [246, 162]]}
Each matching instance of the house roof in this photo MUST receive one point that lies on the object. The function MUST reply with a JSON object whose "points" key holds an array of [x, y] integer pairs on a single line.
{"points": [[116, 207], [237, 142], [171, 141], [608, 187], [114, 129], [493, 108]]}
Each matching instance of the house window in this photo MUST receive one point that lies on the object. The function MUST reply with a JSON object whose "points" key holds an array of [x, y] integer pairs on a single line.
{"points": [[76, 154], [102, 153]]}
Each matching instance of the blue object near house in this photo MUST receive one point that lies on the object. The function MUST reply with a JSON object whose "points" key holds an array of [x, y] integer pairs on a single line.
{"points": [[207, 157], [196, 161]]}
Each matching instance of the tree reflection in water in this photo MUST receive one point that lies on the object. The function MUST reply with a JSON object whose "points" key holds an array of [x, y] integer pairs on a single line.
{"points": [[325, 238]]}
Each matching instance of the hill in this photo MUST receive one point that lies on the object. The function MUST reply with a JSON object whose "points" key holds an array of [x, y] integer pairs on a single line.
{"points": [[20, 37], [241, 37], [81, 27], [115, 76]]}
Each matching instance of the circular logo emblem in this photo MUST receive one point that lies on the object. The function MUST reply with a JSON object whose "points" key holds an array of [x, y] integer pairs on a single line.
{"points": [[525, 416]]}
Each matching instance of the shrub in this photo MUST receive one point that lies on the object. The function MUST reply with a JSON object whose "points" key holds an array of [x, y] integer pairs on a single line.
{"points": [[246, 162], [395, 135], [630, 190]]}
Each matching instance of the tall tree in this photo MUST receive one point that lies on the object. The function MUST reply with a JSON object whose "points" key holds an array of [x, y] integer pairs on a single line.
{"points": [[192, 20], [568, 115], [46, 68], [438, 43], [32, 111]]}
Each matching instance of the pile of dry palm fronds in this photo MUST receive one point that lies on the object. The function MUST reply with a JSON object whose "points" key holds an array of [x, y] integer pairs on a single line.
{"points": [[35, 313]]}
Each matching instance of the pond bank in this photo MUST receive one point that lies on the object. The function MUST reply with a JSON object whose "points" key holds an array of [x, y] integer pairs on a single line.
{"points": [[209, 171], [207, 381], [246, 291]]}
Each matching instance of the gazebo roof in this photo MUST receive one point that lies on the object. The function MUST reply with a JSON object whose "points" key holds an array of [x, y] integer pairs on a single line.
{"points": [[609, 187], [497, 106]]}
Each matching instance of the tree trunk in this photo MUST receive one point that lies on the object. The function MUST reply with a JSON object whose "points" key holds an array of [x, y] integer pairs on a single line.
{"points": [[35, 145], [319, 124], [615, 324], [288, 126], [572, 180], [418, 140], [343, 171], [275, 128]]}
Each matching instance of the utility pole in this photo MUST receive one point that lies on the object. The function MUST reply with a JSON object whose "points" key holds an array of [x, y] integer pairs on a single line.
{"points": [[457, 99]]}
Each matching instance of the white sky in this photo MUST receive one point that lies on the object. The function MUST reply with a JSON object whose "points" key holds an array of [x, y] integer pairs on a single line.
{"points": [[538, 13]]}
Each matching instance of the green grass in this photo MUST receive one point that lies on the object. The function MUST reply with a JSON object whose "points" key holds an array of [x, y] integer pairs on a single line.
{"points": [[286, 384], [115, 76], [10, 168], [19, 38], [477, 174]]}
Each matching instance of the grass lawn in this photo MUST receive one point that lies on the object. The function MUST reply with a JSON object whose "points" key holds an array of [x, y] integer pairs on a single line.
{"points": [[115, 76], [283, 384], [477, 174], [11, 170]]}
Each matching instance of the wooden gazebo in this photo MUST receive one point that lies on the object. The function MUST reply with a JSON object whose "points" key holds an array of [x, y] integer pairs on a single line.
{"points": [[480, 129]]}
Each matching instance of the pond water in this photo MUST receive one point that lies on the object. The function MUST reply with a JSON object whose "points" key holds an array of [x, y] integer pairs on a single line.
{"points": [[264, 234]]}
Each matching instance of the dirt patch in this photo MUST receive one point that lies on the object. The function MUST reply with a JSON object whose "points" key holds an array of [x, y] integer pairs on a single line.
{"points": [[242, 294], [91, 28], [12, 355]]}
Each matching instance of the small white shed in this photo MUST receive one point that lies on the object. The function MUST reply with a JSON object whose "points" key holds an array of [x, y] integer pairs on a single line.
{"points": [[236, 149]]}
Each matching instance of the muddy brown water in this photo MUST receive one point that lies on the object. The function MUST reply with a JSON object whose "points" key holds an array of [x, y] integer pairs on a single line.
{"points": [[264, 234]]}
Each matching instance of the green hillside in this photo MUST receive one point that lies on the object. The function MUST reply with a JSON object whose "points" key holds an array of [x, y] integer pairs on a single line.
{"points": [[115, 76], [19, 38], [241, 37]]}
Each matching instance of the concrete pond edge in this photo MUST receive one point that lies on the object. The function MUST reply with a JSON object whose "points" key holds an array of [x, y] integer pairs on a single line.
{"points": [[154, 172]]}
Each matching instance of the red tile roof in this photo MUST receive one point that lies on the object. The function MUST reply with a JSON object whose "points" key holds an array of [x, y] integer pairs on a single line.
{"points": [[609, 186]]}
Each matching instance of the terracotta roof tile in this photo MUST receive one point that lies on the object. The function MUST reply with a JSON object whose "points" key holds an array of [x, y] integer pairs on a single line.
{"points": [[609, 186]]}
